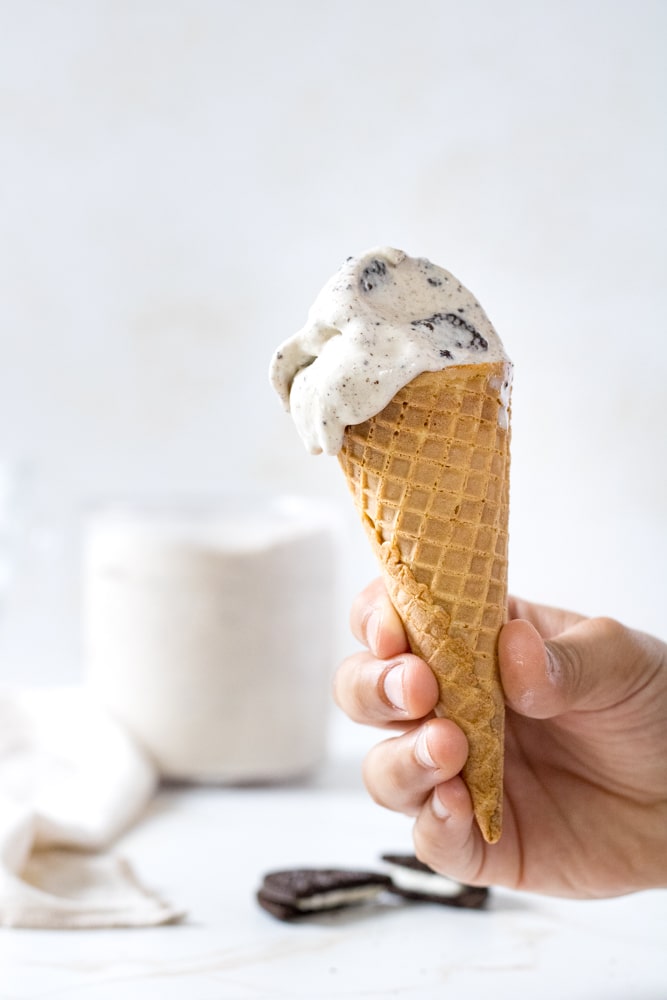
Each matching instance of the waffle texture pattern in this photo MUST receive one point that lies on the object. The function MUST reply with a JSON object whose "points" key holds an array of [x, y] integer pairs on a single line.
{"points": [[430, 479]]}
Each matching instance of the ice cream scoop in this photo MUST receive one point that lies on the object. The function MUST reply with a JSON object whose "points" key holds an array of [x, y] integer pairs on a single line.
{"points": [[400, 372], [381, 320]]}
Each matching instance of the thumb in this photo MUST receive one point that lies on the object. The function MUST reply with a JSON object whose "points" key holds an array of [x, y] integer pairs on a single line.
{"points": [[590, 666]]}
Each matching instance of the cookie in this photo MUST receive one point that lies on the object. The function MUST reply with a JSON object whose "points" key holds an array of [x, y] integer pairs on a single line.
{"points": [[414, 880], [298, 892]]}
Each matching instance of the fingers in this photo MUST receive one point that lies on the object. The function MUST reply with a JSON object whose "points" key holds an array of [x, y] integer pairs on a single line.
{"points": [[524, 671], [394, 692], [549, 622], [446, 836], [418, 774], [402, 772], [375, 623], [592, 665]]}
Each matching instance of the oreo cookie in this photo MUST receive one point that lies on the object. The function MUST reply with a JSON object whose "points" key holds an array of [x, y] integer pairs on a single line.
{"points": [[295, 893], [412, 879]]}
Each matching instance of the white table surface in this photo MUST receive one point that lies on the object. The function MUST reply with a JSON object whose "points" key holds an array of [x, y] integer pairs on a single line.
{"points": [[206, 849]]}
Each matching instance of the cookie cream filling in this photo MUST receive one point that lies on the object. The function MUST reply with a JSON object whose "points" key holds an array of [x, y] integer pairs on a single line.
{"points": [[339, 897], [424, 883], [380, 321]]}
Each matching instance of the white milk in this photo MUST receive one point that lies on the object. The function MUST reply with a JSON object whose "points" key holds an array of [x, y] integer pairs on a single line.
{"points": [[209, 634]]}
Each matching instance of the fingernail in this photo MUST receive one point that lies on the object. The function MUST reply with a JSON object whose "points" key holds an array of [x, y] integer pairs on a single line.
{"points": [[393, 687], [422, 752], [439, 810], [554, 670]]}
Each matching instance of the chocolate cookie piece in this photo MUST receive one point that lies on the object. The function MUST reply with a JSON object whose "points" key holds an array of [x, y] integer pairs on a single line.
{"points": [[299, 892], [414, 880], [281, 911]]}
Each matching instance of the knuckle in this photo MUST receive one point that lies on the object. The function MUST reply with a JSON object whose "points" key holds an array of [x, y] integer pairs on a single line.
{"points": [[380, 782], [609, 630], [388, 774], [349, 690], [426, 848], [564, 667]]}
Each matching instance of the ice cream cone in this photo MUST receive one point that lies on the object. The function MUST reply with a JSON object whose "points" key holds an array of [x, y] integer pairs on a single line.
{"points": [[430, 478]]}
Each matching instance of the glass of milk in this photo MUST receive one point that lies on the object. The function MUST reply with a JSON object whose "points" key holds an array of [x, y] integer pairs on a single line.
{"points": [[209, 632]]}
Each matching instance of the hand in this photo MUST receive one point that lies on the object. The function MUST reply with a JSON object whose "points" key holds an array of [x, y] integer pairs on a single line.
{"points": [[585, 810]]}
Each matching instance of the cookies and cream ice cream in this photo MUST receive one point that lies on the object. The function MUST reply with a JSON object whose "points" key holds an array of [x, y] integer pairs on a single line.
{"points": [[382, 319]]}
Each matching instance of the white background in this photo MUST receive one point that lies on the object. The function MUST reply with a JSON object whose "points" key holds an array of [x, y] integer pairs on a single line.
{"points": [[177, 181]]}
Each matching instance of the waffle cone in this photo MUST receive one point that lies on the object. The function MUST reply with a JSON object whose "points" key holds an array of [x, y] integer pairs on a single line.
{"points": [[430, 478]]}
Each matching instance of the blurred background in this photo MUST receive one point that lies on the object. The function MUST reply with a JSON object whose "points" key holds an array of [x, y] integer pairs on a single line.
{"points": [[180, 177]]}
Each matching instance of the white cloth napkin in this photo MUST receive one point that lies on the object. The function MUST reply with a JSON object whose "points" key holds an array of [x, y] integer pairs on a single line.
{"points": [[71, 780]]}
